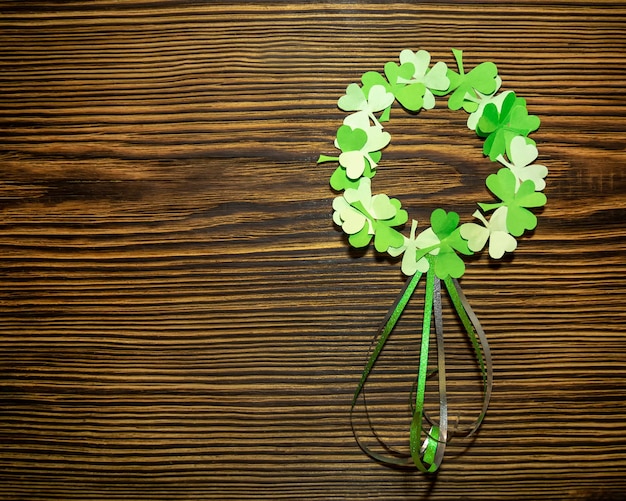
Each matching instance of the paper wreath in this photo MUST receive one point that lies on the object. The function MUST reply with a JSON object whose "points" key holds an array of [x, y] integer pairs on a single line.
{"points": [[439, 250]]}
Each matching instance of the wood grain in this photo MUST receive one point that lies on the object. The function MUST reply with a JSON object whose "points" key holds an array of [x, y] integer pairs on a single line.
{"points": [[180, 320]]}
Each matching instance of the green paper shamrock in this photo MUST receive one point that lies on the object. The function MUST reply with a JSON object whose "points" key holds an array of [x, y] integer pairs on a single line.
{"points": [[410, 263], [434, 78], [409, 95], [483, 78], [359, 143], [482, 100], [522, 154], [362, 216], [355, 160], [443, 240], [518, 218], [500, 126], [371, 100], [339, 180], [494, 230]]}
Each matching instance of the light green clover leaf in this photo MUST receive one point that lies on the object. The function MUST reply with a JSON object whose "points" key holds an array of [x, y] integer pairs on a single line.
{"points": [[443, 240], [483, 78], [434, 78], [410, 265], [371, 100], [362, 216], [409, 95], [522, 155], [500, 126], [518, 218], [494, 230]]}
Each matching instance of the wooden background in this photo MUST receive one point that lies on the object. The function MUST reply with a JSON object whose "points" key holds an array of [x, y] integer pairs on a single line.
{"points": [[180, 320]]}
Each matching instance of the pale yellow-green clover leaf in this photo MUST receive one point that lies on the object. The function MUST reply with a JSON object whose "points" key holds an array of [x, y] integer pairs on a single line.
{"points": [[427, 239], [523, 154], [410, 263], [351, 220], [434, 78], [494, 230], [377, 99], [354, 161], [483, 100], [362, 216]]}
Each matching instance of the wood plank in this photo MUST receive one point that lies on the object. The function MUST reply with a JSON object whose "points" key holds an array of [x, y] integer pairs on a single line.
{"points": [[179, 319]]}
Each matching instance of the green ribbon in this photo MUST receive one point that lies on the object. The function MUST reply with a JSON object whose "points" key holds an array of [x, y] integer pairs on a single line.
{"points": [[426, 446]]}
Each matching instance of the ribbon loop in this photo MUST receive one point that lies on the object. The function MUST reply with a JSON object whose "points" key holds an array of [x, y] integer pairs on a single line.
{"points": [[426, 447]]}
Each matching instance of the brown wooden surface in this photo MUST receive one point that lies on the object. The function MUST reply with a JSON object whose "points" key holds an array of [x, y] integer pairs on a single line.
{"points": [[180, 319]]}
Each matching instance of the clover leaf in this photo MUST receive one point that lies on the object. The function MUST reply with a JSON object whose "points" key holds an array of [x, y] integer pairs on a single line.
{"points": [[432, 78], [355, 160], [410, 263], [363, 216], [494, 230], [500, 126], [409, 95], [523, 154], [483, 78], [359, 143], [518, 217], [482, 101], [443, 240], [371, 100]]}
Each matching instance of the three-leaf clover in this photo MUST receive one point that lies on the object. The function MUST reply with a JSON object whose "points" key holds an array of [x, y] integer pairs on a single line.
{"points": [[518, 217], [371, 100], [409, 95], [500, 126], [482, 101], [443, 240], [363, 216], [494, 230], [433, 78], [483, 78], [523, 154], [410, 263], [356, 156], [360, 144]]}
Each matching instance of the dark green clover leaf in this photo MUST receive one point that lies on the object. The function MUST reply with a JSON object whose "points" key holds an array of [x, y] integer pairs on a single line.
{"points": [[500, 126], [409, 94], [518, 218], [483, 78]]}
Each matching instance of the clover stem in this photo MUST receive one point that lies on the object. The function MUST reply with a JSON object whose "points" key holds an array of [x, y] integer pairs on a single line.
{"points": [[326, 158], [458, 56]]}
